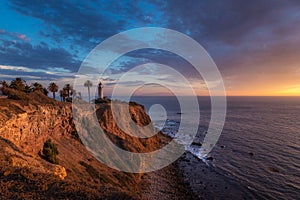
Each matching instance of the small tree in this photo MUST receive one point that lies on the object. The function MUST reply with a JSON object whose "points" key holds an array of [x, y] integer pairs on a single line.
{"points": [[18, 84], [4, 87], [37, 87], [88, 84], [50, 152], [68, 88], [53, 88], [63, 95], [28, 89], [45, 91]]}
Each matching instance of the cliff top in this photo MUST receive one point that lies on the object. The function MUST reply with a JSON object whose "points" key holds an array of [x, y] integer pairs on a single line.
{"points": [[26, 124]]}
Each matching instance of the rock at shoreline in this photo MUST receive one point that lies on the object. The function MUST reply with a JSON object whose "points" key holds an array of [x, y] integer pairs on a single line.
{"points": [[210, 158], [274, 170], [196, 144]]}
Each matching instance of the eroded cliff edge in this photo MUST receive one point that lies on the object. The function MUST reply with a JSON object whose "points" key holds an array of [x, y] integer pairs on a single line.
{"points": [[24, 127]]}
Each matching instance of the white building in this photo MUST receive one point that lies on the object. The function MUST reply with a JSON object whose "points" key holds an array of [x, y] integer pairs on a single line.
{"points": [[100, 90]]}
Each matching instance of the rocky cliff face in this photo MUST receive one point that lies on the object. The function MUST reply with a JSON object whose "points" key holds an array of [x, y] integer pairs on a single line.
{"points": [[26, 125]]}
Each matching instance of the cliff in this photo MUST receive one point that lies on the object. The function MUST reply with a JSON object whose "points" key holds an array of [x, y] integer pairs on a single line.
{"points": [[24, 127]]}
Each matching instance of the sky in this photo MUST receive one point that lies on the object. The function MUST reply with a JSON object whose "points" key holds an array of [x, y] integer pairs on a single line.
{"points": [[255, 45]]}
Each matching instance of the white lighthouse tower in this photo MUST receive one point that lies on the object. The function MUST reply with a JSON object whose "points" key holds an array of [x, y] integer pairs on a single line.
{"points": [[100, 90]]}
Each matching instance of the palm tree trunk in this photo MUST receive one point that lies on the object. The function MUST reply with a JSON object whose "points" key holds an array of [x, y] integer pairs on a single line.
{"points": [[89, 95], [53, 95]]}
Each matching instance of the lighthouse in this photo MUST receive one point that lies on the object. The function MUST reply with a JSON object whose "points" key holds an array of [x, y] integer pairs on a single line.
{"points": [[100, 90]]}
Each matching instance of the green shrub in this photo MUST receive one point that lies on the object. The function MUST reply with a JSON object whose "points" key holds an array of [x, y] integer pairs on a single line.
{"points": [[50, 152]]}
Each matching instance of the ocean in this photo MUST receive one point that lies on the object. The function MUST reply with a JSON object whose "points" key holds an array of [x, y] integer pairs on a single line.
{"points": [[259, 147]]}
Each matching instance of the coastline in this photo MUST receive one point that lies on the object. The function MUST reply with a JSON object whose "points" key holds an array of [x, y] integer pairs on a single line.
{"points": [[187, 178], [190, 178], [167, 183], [208, 183]]}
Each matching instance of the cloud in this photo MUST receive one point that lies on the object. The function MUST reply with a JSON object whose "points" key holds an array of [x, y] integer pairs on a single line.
{"points": [[36, 57], [72, 30], [218, 20], [10, 72], [242, 38], [14, 36], [231, 29], [87, 24], [22, 37]]}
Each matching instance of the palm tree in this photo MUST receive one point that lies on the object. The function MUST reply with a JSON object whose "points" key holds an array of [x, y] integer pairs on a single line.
{"points": [[53, 88], [18, 84], [4, 87], [68, 88], [45, 91], [88, 84], [63, 94], [28, 89], [37, 87]]}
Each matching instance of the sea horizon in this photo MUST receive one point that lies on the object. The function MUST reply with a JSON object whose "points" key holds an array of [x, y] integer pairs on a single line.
{"points": [[142, 100]]}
